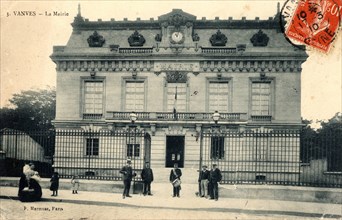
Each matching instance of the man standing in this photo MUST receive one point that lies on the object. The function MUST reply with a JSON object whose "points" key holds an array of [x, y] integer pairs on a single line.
{"points": [[175, 173], [127, 176], [203, 179], [147, 177], [214, 178]]}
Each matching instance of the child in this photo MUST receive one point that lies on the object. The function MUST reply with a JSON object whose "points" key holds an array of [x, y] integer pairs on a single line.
{"points": [[54, 184], [75, 184]]}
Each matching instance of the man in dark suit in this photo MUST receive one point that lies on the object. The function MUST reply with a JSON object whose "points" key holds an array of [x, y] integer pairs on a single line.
{"points": [[214, 178], [175, 173], [147, 177], [127, 176]]}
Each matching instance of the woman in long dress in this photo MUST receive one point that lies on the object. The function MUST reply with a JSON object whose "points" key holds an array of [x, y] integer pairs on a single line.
{"points": [[29, 188]]}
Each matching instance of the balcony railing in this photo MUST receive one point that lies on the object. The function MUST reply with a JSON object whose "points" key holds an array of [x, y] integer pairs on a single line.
{"points": [[92, 116], [266, 118], [136, 50], [182, 116]]}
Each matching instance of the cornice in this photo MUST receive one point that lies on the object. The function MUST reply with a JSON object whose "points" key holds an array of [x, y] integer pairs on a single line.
{"points": [[272, 65]]}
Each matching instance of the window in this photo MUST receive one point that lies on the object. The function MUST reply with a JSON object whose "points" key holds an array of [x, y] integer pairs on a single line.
{"points": [[133, 150], [217, 148], [176, 101], [218, 96], [92, 147], [261, 98], [93, 98], [135, 96]]}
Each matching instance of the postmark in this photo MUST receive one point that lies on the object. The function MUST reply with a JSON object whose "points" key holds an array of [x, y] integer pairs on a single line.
{"points": [[315, 23]]}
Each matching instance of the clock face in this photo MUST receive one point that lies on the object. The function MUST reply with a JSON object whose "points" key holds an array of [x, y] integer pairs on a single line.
{"points": [[177, 37]]}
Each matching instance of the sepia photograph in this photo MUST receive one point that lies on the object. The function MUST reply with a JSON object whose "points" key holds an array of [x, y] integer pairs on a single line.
{"points": [[171, 109]]}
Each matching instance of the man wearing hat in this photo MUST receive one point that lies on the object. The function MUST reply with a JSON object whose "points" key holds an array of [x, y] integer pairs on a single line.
{"points": [[147, 177], [203, 179], [214, 177], [127, 176]]}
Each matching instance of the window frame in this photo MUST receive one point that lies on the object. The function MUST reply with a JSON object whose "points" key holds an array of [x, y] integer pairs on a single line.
{"points": [[166, 91], [269, 80], [123, 91], [84, 80], [227, 80], [92, 147]]}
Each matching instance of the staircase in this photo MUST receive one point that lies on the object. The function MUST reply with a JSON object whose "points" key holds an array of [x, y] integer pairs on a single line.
{"points": [[162, 175]]}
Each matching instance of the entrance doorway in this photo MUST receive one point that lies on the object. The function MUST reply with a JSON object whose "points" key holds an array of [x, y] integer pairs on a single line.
{"points": [[174, 151]]}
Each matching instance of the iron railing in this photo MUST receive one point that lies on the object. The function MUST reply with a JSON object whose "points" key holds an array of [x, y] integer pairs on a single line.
{"points": [[248, 157]]}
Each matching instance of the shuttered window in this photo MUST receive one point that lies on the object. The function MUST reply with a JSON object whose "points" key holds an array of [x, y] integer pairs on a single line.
{"points": [[135, 96], [261, 94], [218, 96]]}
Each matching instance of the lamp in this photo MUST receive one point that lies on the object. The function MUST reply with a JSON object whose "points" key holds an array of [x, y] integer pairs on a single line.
{"points": [[216, 116], [133, 117]]}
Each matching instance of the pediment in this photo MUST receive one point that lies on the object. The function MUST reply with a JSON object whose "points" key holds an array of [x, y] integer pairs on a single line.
{"points": [[177, 17]]}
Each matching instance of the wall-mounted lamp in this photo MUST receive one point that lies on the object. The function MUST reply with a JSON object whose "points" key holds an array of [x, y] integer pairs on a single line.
{"points": [[133, 117], [216, 116]]}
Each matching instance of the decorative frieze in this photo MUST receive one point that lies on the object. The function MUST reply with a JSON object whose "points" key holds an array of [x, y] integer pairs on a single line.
{"points": [[194, 67], [251, 66], [108, 66]]}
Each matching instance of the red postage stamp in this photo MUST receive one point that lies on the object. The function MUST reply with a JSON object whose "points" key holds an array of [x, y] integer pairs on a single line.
{"points": [[315, 23]]}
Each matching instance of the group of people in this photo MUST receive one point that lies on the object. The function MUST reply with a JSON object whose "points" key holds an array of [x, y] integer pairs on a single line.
{"points": [[208, 180], [75, 184], [30, 189]]}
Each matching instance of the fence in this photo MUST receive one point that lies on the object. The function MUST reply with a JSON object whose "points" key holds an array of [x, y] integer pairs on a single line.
{"points": [[250, 157]]}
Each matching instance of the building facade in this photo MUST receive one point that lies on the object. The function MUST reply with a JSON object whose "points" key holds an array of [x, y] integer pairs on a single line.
{"points": [[174, 73]]}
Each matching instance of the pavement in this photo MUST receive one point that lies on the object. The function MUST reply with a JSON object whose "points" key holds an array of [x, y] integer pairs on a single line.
{"points": [[161, 205]]}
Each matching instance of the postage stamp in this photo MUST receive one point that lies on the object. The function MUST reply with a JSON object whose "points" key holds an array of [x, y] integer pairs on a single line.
{"points": [[315, 23]]}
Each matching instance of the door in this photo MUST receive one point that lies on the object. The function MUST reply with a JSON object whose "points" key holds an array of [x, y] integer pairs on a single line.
{"points": [[174, 151]]}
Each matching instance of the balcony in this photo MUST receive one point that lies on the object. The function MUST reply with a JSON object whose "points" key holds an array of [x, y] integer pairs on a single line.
{"points": [[181, 116]]}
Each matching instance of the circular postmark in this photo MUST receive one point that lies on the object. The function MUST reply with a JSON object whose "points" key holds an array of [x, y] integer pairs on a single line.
{"points": [[311, 22]]}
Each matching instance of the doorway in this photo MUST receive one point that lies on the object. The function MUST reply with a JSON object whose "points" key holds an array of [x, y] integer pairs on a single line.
{"points": [[174, 151]]}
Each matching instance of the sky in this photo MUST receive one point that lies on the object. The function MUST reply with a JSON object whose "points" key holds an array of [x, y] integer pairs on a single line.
{"points": [[27, 41]]}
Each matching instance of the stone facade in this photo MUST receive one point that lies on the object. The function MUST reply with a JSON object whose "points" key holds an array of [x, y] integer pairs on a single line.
{"points": [[244, 69]]}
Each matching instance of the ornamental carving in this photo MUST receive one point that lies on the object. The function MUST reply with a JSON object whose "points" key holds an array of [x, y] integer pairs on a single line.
{"points": [[260, 39], [136, 40], [158, 38], [195, 37], [176, 77], [218, 39], [177, 20], [95, 40]]}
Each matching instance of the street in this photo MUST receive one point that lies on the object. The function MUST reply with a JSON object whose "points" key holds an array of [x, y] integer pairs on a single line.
{"points": [[95, 205]]}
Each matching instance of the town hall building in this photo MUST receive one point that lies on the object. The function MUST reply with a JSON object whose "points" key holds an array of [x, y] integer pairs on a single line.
{"points": [[179, 89]]}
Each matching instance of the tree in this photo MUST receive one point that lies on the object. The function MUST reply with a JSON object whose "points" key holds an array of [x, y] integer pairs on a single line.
{"points": [[33, 110], [325, 143]]}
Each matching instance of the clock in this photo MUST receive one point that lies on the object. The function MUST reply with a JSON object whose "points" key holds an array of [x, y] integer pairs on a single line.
{"points": [[177, 37]]}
